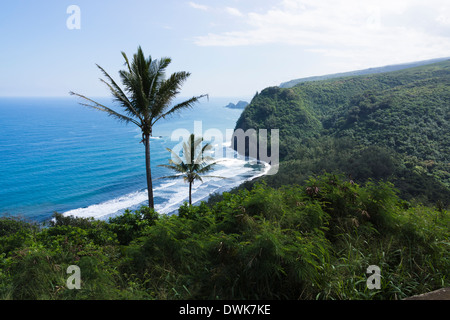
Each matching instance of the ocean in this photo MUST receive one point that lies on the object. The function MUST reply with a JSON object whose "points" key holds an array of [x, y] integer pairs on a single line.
{"points": [[59, 156]]}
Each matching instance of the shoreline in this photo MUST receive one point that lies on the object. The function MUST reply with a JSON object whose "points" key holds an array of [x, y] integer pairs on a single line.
{"points": [[135, 200]]}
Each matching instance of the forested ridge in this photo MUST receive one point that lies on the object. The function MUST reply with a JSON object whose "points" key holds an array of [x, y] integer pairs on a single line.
{"points": [[388, 68], [392, 126], [363, 181]]}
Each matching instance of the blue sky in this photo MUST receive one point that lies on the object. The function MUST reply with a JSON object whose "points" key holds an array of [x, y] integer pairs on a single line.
{"points": [[232, 47]]}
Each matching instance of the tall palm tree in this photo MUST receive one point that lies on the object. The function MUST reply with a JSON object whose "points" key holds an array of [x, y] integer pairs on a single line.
{"points": [[194, 165], [147, 97]]}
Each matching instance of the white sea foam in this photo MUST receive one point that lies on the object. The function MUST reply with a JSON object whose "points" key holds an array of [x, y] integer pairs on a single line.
{"points": [[164, 186], [109, 208], [227, 144], [172, 194]]}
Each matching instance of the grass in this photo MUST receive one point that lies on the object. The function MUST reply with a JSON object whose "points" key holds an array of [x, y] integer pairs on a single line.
{"points": [[313, 241]]}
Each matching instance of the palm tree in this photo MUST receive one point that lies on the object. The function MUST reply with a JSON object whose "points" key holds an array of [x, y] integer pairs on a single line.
{"points": [[195, 163], [147, 98]]}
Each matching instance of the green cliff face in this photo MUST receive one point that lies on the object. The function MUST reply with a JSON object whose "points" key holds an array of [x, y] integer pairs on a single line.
{"points": [[398, 120]]}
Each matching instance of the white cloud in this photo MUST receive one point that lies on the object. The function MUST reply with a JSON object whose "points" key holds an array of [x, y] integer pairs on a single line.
{"points": [[347, 28], [233, 11], [444, 16], [443, 19], [198, 6]]}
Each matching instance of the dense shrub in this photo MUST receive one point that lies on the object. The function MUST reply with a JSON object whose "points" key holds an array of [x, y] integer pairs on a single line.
{"points": [[309, 241], [130, 224]]}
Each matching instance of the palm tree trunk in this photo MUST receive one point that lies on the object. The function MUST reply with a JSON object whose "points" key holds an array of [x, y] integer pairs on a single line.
{"points": [[190, 193], [148, 171]]}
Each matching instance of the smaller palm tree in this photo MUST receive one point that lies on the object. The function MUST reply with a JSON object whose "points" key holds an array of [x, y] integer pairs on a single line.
{"points": [[194, 164]]}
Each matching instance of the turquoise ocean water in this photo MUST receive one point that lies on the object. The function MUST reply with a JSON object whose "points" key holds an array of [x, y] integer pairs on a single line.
{"points": [[58, 156]]}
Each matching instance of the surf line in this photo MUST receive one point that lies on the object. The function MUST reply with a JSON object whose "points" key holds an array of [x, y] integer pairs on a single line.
{"points": [[250, 143]]}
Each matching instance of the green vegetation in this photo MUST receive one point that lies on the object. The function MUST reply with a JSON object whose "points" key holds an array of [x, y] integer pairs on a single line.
{"points": [[364, 180], [385, 69], [149, 99], [296, 242], [390, 126], [195, 162]]}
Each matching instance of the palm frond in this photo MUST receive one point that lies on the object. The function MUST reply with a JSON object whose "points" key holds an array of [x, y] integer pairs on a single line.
{"points": [[206, 168], [111, 112], [195, 176], [134, 86], [127, 62], [157, 72], [176, 168], [174, 155], [169, 89], [143, 79], [119, 95], [187, 155], [170, 177], [145, 98], [201, 157], [195, 162], [183, 105]]}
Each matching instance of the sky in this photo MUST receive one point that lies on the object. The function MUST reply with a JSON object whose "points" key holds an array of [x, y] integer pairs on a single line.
{"points": [[232, 48]]}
